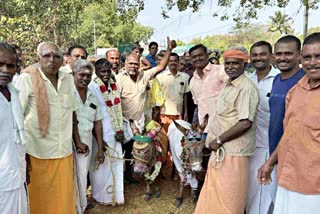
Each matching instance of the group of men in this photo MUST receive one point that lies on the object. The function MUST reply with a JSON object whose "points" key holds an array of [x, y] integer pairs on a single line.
{"points": [[59, 123]]}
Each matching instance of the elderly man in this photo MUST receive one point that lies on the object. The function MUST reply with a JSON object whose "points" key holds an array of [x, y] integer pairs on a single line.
{"points": [[75, 52], [133, 89], [176, 85], [298, 153], [206, 83], [261, 199], [232, 138], [113, 56], [48, 104], [90, 117], [13, 194]]}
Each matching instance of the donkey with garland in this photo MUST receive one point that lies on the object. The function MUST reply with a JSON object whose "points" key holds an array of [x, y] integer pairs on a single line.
{"points": [[187, 152], [149, 153]]}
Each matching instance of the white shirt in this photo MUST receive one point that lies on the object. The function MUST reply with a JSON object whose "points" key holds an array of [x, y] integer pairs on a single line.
{"points": [[12, 150], [263, 113]]}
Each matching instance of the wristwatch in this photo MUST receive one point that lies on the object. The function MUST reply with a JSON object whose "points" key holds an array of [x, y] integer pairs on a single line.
{"points": [[218, 141]]}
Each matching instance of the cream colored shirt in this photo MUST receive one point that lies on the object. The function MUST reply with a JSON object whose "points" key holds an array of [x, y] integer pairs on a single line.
{"points": [[175, 87], [133, 94], [237, 101], [62, 103]]}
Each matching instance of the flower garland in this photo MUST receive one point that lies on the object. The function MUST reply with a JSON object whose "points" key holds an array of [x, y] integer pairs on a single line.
{"points": [[157, 166], [111, 96], [186, 166]]}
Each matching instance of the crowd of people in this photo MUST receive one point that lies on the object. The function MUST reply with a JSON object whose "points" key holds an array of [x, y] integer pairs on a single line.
{"points": [[66, 119]]}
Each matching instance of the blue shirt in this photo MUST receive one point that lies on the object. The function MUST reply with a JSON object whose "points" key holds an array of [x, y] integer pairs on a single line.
{"points": [[277, 102], [151, 60]]}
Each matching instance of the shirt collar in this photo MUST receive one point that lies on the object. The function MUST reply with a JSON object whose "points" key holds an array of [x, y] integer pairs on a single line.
{"points": [[61, 75], [304, 83], [236, 82], [205, 70]]}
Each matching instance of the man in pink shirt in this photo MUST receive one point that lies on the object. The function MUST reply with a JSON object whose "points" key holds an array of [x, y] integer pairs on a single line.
{"points": [[207, 81]]}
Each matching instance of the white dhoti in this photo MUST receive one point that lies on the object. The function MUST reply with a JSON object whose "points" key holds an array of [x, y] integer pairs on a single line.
{"points": [[14, 201], [107, 180], [261, 198], [289, 202], [82, 166], [175, 137]]}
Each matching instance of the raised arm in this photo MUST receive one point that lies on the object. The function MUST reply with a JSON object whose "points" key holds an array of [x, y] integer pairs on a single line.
{"points": [[164, 62]]}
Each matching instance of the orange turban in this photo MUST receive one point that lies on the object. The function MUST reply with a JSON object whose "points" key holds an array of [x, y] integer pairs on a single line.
{"points": [[233, 53]]}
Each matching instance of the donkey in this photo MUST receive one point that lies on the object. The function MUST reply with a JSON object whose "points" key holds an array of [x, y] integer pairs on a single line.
{"points": [[186, 147], [149, 153]]}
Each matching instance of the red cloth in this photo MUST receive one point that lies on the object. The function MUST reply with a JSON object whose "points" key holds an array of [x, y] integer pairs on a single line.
{"points": [[233, 53]]}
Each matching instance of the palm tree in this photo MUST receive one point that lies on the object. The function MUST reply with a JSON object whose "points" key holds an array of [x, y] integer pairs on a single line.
{"points": [[281, 22]]}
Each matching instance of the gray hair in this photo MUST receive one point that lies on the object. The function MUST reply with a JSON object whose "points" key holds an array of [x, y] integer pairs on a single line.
{"points": [[40, 46], [82, 63]]}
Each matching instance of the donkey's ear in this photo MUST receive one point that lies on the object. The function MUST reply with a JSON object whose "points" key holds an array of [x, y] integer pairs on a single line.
{"points": [[205, 122], [158, 129], [180, 128]]}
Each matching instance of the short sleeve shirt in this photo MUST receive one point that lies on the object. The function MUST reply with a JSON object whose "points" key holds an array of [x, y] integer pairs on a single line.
{"points": [[175, 87], [133, 94], [58, 141], [237, 101]]}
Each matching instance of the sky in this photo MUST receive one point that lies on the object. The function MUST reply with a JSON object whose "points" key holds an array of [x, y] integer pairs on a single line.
{"points": [[187, 25]]}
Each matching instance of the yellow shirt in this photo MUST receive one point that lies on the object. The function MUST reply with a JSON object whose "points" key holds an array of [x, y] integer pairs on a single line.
{"points": [[175, 87], [237, 101], [62, 103], [133, 94]]}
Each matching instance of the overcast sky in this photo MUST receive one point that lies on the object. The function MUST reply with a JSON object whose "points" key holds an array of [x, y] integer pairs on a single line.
{"points": [[187, 25]]}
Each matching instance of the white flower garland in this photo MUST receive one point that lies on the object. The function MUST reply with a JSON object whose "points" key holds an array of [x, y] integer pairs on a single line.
{"points": [[115, 110], [150, 178]]}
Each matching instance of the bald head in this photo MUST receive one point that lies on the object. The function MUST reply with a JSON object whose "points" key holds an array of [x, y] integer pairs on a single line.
{"points": [[113, 56]]}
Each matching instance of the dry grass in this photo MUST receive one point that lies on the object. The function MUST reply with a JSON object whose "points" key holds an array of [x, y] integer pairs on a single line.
{"points": [[135, 203]]}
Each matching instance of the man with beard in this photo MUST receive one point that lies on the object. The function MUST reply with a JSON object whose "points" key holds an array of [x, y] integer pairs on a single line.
{"points": [[13, 192], [298, 153], [48, 104], [175, 84], [75, 52], [261, 199], [133, 89], [107, 180], [153, 50], [113, 56], [231, 137], [206, 83], [286, 58], [89, 115]]}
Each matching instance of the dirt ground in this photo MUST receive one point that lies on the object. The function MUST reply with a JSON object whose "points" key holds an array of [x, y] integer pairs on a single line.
{"points": [[135, 203]]}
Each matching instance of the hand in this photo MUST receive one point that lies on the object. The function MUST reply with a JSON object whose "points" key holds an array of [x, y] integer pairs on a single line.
{"points": [[100, 157], [171, 43], [82, 148], [214, 145], [185, 116], [264, 174]]}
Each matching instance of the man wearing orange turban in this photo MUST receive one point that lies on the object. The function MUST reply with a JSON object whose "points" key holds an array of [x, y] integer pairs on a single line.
{"points": [[231, 138]]}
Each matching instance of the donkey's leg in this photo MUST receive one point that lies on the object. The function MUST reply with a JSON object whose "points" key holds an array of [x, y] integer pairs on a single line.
{"points": [[157, 187], [173, 172], [179, 199], [148, 194], [194, 195]]}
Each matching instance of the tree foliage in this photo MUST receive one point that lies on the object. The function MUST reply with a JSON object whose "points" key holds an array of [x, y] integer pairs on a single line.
{"points": [[282, 23], [66, 22]]}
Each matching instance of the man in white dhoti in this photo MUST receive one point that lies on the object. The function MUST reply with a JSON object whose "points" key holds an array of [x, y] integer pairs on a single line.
{"points": [[298, 152], [261, 199], [13, 187], [89, 115], [107, 180]]}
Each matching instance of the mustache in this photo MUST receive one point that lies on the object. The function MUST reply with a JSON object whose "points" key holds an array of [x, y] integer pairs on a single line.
{"points": [[84, 81], [313, 67], [5, 75]]}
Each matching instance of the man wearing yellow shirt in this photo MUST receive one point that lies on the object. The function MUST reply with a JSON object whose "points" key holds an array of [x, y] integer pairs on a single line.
{"points": [[48, 104]]}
